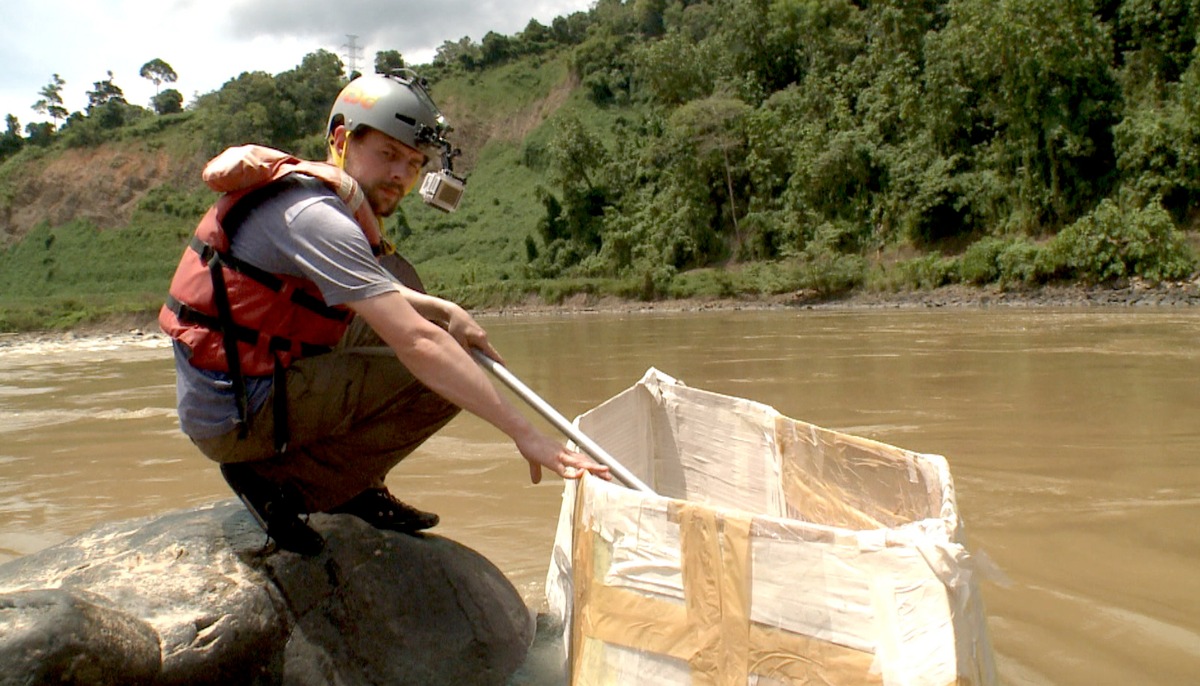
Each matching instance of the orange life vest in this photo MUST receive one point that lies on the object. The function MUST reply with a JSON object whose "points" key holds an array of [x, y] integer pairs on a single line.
{"points": [[234, 317]]}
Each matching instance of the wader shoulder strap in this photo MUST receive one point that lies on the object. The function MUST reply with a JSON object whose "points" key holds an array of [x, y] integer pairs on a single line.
{"points": [[232, 359]]}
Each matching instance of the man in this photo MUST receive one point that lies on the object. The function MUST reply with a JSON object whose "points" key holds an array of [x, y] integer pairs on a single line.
{"points": [[299, 409]]}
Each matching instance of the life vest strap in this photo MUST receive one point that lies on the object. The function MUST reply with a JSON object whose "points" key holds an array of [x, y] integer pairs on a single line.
{"points": [[310, 302], [244, 334]]}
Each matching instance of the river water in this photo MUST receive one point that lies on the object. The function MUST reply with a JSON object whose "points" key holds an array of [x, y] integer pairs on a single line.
{"points": [[1073, 437]]}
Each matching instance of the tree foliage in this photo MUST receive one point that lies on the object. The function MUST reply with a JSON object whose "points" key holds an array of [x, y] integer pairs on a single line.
{"points": [[465, 55], [818, 128], [107, 110], [10, 140], [388, 61], [1025, 89], [104, 92], [1037, 139], [158, 72], [51, 102], [169, 101], [281, 110]]}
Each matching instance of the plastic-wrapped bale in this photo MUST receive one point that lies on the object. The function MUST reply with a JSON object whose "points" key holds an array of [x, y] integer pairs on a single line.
{"points": [[775, 551]]}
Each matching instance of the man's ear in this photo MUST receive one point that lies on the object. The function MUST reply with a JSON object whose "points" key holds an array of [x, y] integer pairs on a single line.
{"points": [[338, 141]]}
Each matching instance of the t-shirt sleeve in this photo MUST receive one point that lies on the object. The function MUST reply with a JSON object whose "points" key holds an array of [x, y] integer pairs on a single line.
{"points": [[330, 249]]}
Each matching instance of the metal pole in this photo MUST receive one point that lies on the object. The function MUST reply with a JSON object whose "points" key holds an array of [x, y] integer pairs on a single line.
{"points": [[560, 422]]}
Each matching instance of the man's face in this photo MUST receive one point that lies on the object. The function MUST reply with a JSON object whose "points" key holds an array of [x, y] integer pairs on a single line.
{"points": [[385, 168]]}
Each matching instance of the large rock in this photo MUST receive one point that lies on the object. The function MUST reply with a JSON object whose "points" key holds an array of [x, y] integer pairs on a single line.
{"points": [[56, 636], [195, 597]]}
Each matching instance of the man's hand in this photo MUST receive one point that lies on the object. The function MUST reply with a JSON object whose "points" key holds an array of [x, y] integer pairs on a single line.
{"points": [[450, 316], [543, 451], [469, 334]]}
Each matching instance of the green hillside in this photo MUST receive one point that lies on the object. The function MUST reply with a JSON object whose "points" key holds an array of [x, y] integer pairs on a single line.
{"points": [[680, 148]]}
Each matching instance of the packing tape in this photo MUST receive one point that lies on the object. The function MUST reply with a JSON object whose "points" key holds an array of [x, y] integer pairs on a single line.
{"points": [[715, 560], [711, 631]]}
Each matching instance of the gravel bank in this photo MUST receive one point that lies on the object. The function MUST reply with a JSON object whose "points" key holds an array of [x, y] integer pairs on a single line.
{"points": [[145, 334]]}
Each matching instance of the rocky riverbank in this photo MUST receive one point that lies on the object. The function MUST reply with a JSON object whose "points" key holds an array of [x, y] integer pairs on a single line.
{"points": [[1125, 294], [127, 331]]}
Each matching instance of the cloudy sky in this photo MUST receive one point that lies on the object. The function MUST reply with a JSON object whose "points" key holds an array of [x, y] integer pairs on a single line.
{"points": [[208, 42]]}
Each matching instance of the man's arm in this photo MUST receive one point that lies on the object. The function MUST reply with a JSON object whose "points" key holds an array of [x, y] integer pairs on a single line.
{"points": [[437, 357], [453, 318]]}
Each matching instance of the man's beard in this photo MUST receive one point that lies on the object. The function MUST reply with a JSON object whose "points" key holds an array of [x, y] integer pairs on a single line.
{"points": [[384, 204]]}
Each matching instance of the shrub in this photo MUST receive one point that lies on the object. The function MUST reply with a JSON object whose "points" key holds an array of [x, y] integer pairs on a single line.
{"points": [[980, 262], [1009, 261], [929, 271], [831, 273], [1019, 263], [1114, 241]]}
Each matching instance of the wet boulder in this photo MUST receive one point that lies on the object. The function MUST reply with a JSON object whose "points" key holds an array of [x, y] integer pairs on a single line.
{"points": [[196, 597]]}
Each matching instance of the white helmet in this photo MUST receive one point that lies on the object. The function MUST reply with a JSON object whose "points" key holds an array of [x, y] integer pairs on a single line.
{"points": [[396, 104]]}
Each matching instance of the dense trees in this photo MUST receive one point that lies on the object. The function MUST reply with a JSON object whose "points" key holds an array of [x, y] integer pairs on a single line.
{"points": [[1031, 139], [464, 54], [288, 110], [1024, 88], [818, 128]]}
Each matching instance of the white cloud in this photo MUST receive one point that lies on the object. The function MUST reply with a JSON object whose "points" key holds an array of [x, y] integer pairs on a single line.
{"points": [[208, 42]]}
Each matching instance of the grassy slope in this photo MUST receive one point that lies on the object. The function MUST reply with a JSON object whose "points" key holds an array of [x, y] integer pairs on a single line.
{"points": [[65, 275], [477, 255], [62, 276]]}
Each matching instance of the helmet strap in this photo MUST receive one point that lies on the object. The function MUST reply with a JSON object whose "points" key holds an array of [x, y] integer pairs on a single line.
{"points": [[338, 155]]}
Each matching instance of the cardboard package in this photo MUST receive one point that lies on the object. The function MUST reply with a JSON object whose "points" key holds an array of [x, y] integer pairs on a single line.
{"points": [[774, 552]]}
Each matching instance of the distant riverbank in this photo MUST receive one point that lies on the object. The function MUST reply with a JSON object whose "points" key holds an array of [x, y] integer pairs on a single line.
{"points": [[1131, 294], [143, 330]]}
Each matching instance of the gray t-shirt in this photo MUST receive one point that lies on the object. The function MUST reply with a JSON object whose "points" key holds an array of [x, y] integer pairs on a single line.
{"points": [[305, 231]]}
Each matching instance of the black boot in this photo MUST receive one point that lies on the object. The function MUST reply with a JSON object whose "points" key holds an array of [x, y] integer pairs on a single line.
{"points": [[276, 508], [382, 510]]}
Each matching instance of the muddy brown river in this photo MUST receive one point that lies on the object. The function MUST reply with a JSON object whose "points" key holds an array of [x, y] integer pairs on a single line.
{"points": [[1073, 437]]}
